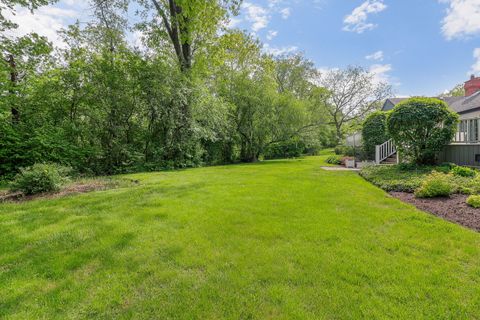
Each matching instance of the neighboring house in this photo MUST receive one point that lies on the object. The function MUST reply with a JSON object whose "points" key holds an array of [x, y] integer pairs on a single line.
{"points": [[354, 140], [465, 147]]}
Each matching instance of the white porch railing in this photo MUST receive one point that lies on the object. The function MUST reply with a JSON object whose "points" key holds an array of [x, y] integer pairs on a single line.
{"points": [[385, 150], [468, 131]]}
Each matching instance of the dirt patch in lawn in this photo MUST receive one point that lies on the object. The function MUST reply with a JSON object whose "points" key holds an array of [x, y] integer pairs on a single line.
{"points": [[71, 189], [453, 209]]}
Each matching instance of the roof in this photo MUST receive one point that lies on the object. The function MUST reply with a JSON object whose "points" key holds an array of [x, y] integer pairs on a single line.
{"points": [[457, 104]]}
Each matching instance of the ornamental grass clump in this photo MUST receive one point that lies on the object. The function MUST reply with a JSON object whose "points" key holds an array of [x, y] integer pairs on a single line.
{"points": [[436, 184]]}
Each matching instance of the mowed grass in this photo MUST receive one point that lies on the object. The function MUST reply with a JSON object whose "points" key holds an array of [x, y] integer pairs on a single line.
{"points": [[273, 240]]}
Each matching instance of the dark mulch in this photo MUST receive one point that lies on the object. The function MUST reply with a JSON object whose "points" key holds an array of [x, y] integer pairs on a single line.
{"points": [[453, 209]]}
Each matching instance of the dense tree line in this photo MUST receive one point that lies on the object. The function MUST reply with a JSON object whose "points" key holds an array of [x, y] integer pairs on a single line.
{"points": [[196, 93]]}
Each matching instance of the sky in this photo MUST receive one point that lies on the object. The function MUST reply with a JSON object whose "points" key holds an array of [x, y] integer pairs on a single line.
{"points": [[420, 47]]}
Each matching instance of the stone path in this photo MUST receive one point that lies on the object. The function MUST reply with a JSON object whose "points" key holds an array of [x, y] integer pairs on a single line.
{"points": [[339, 169]]}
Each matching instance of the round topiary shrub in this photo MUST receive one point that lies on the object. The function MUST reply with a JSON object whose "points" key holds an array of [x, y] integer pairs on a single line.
{"points": [[40, 178], [436, 184], [374, 132], [474, 201], [421, 127]]}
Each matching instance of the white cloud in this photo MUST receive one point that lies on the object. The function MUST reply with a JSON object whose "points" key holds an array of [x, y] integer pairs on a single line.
{"points": [[476, 65], [233, 22], [380, 72], [271, 34], [462, 19], [279, 51], [274, 3], [285, 12], [357, 21], [377, 56], [46, 21], [257, 15]]}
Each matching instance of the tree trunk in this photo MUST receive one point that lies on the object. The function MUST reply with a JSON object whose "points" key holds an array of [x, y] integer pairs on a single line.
{"points": [[338, 128], [13, 83]]}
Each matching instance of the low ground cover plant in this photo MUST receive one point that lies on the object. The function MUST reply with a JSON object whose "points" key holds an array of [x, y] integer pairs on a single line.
{"points": [[409, 177], [40, 178], [395, 178], [436, 184]]}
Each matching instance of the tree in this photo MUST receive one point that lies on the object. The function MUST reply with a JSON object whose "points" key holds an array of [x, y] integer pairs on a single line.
{"points": [[189, 24], [421, 127], [457, 91], [10, 6], [295, 74], [374, 132], [23, 58], [353, 94]]}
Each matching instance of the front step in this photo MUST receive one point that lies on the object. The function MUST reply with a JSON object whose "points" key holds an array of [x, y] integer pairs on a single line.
{"points": [[390, 160]]}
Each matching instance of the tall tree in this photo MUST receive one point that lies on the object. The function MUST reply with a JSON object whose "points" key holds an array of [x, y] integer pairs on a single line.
{"points": [[189, 24], [353, 93]]}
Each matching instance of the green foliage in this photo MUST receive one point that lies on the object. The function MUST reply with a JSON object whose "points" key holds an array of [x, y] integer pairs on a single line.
{"points": [[287, 149], [40, 178], [474, 201], [421, 127], [457, 91], [350, 151], [436, 184], [463, 171], [374, 132], [409, 177], [395, 178], [337, 160], [103, 107]]}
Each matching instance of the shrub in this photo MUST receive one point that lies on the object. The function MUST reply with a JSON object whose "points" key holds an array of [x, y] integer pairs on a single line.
{"points": [[334, 160], [463, 171], [374, 132], [349, 151], [344, 151], [40, 178], [435, 185], [420, 127], [474, 201], [287, 149]]}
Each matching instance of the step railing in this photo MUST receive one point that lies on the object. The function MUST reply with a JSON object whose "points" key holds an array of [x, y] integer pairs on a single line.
{"points": [[384, 151]]}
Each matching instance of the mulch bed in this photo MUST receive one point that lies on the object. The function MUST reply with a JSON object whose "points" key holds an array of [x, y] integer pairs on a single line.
{"points": [[75, 188], [453, 209]]}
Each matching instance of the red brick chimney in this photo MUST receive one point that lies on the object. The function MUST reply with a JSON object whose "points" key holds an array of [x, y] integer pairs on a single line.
{"points": [[472, 86]]}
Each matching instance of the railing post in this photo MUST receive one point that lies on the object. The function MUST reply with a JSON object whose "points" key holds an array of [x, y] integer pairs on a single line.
{"points": [[377, 154]]}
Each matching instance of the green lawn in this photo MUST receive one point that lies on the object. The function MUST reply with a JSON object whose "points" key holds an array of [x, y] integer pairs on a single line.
{"points": [[274, 240]]}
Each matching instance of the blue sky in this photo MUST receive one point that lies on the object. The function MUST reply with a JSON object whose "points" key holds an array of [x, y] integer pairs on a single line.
{"points": [[421, 47]]}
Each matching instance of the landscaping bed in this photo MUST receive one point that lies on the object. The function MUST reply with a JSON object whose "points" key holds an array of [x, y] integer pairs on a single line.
{"points": [[76, 187], [453, 208], [405, 182]]}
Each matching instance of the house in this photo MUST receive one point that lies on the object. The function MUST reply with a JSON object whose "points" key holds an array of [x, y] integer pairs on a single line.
{"points": [[465, 147]]}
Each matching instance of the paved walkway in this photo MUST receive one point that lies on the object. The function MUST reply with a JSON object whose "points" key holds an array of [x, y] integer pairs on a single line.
{"points": [[339, 169]]}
